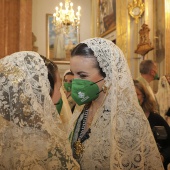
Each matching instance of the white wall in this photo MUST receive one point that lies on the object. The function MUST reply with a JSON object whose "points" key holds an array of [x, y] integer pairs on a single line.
{"points": [[43, 7]]}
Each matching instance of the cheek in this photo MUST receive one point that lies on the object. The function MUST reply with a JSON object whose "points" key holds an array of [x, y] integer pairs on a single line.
{"points": [[56, 93], [141, 99], [56, 96]]}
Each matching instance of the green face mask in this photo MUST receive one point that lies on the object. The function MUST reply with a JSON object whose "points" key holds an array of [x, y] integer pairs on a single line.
{"points": [[84, 91], [59, 105], [67, 86], [156, 77]]}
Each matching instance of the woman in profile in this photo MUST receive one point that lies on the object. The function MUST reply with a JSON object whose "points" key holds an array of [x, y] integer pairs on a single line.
{"points": [[32, 136]]}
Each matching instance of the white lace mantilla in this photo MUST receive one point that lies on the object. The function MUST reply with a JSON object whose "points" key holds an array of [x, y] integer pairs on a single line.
{"points": [[163, 96], [120, 138], [32, 136]]}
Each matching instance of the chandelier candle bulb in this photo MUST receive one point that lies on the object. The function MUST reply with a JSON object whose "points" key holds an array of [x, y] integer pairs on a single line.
{"points": [[63, 18]]}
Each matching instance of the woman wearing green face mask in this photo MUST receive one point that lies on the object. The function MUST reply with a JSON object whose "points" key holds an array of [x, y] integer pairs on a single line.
{"points": [[56, 92], [67, 83], [108, 129]]}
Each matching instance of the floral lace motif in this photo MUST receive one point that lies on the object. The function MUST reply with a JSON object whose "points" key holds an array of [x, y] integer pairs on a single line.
{"points": [[120, 136], [31, 133]]}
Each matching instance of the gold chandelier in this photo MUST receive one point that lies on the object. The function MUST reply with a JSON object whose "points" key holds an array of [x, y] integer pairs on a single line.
{"points": [[63, 18]]}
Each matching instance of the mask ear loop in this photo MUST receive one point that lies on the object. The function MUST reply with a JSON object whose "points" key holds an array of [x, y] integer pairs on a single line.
{"points": [[97, 81]]}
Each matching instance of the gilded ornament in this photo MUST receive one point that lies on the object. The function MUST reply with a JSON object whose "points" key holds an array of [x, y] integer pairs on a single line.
{"points": [[78, 147]]}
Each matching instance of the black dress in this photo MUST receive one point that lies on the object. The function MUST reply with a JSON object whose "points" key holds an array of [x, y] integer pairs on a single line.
{"points": [[163, 144]]}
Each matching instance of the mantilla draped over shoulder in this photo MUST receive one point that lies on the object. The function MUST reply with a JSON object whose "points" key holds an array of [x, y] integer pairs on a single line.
{"points": [[31, 132], [131, 144]]}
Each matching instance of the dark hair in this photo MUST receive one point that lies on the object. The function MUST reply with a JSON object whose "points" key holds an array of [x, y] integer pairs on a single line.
{"points": [[52, 69], [146, 66], [148, 104], [84, 51], [69, 73]]}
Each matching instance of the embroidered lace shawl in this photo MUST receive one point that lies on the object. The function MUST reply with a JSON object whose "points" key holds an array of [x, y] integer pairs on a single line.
{"points": [[120, 138], [32, 136], [163, 95]]}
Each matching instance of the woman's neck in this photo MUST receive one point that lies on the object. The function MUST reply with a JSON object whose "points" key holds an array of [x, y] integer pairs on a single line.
{"points": [[99, 101]]}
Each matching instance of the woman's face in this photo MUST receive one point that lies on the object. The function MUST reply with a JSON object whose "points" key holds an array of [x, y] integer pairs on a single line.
{"points": [[56, 93], [84, 68], [139, 95]]}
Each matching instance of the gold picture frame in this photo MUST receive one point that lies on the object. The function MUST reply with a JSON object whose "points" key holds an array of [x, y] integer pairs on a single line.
{"points": [[106, 17], [59, 44]]}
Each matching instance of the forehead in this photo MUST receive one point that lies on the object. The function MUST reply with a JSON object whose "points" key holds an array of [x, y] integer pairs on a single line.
{"points": [[154, 66], [69, 76], [85, 64]]}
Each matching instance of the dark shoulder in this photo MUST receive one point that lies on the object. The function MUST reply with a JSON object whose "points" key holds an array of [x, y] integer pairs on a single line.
{"points": [[156, 116], [156, 120]]}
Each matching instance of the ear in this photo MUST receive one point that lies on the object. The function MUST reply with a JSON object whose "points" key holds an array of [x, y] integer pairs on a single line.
{"points": [[104, 87], [152, 72]]}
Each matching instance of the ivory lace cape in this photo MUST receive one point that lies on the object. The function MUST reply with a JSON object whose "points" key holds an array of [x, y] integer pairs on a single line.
{"points": [[32, 136], [120, 138], [163, 97]]}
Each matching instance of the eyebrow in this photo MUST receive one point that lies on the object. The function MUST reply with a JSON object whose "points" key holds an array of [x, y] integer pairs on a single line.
{"points": [[80, 72]]}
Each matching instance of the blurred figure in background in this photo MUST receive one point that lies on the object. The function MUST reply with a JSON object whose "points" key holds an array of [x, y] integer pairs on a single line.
{"points": [[163, 97], [156, 122], [67, 83], [148, 71]]}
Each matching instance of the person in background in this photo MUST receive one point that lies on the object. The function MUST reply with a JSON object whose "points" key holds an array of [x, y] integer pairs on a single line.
{"points": [[148, 71], [67, 83], [108, 129], [149, 107], [163, 97], [32, 135]]}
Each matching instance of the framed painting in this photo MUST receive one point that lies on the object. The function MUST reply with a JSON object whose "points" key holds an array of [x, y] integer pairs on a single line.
{"points": [[106, 17], [60, 43]]}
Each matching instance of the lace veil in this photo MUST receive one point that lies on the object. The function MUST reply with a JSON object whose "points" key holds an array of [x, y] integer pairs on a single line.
{"points": [[132, 142], [31, 133], [163, 96]]}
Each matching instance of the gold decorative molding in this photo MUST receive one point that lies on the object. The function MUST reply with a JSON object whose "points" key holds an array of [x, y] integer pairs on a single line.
{"points": [[136, 9], [144, 45]]}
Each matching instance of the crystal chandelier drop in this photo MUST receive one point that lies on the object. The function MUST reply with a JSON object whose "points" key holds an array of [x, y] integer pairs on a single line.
{"points": [[63, 18]]}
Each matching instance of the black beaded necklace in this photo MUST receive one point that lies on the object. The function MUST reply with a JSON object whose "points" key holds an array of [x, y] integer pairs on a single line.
{"points": [[78, 146]]}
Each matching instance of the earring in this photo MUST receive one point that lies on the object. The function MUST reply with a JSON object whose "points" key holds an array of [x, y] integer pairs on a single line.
{"points": [[104, 88]]}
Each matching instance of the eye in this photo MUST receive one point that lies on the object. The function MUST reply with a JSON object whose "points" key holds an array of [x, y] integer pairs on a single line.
{"points": [[83, 76]]}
